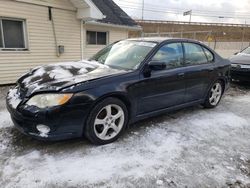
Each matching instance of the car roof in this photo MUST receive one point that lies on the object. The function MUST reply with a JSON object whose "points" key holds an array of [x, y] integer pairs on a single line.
{"points": [[162, 39]]}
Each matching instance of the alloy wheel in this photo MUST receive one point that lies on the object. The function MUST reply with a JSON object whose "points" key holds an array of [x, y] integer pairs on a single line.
{"points": [[215, 94], [109, 122]]}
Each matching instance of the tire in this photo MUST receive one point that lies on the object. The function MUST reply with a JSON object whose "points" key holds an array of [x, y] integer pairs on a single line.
{"points": [[214, 95], [106, 121]]}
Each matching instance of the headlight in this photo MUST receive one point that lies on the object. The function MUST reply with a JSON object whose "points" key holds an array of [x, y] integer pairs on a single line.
{"points": [[49, 100]]}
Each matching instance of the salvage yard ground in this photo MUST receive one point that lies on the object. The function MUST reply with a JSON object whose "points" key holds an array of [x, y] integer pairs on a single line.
{"points": [[194, 147]]}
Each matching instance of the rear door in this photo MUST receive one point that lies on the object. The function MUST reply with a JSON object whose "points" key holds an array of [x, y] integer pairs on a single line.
{"points": [[199, 62]]}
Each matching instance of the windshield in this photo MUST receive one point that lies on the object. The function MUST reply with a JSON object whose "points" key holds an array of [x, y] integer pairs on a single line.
{"points": [[124, 54], [246, 51]]}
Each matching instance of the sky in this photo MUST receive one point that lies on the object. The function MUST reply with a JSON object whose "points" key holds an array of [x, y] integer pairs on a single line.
{"points": [[226, 11]]}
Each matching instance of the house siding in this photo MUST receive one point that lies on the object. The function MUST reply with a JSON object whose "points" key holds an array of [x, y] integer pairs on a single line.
{"points": [[40, 38], [114, 34], [41, 43], [62, 4]]}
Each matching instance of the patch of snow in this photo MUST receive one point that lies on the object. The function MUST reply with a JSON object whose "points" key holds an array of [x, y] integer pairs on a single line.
{"points": [[61, 70], [98, 164], [242, 99], [13, 98], [159, 182], [80, 64], [38, 71], [44, 135], [5, 120], [5, 124], [64, 74], [135, 133], [60, 73]]}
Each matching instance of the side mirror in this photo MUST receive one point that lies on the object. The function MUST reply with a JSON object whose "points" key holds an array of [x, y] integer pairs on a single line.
{"points": [[236, 53], [157, 65]]}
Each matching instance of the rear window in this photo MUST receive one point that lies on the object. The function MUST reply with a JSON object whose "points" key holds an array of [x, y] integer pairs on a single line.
{"points": [[210, 56], [246, 51]]}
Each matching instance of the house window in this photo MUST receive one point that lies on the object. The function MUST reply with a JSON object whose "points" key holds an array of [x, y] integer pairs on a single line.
{"points": [[96, 38], [12, 34]]}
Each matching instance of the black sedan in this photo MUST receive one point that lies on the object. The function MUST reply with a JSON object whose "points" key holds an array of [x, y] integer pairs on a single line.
{"points": [[125, 82], [240, 70]]}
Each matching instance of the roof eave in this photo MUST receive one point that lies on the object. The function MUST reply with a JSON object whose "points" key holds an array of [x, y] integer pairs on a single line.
{"points": [[131, 28], [87, 10]]}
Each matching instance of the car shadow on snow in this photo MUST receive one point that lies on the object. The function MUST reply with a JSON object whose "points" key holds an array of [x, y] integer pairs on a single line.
{"points": [[16, 143], [240, 86]]}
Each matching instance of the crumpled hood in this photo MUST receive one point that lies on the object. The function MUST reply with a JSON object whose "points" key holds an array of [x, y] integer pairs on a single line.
{"points": [[241, 59], [59, 75]]}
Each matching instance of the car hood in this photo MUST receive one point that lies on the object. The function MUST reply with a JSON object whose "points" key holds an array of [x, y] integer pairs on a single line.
{"points": [[241, 59], [54, 77]]}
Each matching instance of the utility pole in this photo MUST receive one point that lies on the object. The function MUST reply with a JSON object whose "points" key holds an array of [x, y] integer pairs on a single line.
{"points": [[243, 34], [142, 10], [142, 16]]}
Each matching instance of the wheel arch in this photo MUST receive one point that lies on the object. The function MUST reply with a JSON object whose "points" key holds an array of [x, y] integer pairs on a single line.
{"points": [[118, 95], [121, 96], [88, 130], [223, 81]]}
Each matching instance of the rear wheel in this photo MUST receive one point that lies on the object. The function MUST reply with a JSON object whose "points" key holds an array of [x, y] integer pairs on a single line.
{"points": [[214, 95], [107, 121]]}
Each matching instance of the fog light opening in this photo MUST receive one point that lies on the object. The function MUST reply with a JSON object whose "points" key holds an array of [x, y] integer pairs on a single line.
{"points": [[43, 130]]}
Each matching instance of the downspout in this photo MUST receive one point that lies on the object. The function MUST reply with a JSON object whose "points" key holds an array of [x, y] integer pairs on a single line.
{"points": [[54, 30], [81, 38]]}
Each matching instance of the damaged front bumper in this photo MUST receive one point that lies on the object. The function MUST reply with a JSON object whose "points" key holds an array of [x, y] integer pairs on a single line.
{"points": [[63, 122]]}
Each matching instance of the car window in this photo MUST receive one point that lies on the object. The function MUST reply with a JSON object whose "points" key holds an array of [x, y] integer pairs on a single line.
{"points": [[102, 55], [246, 51], [194, 54], [124, 54], [210, 56], [171, 54]]}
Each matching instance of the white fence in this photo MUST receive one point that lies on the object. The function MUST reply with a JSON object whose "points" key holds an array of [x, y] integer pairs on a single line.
{"points": [[227, 49]]}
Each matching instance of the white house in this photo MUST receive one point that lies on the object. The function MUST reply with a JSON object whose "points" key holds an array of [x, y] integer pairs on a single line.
{"points": [[36, 32]]}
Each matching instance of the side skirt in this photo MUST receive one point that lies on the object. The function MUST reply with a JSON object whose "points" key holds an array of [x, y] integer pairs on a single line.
{"points": [[165, 110]]}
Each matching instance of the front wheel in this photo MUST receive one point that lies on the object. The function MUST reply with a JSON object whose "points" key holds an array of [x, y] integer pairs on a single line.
{"points": [[214, 96], [106, 121]]}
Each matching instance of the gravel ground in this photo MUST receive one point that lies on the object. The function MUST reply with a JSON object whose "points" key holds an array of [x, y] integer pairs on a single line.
{"points": [[193, 147]]}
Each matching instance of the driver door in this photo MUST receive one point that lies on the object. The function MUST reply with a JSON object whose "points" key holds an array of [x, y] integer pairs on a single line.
{"points": [[163, 88]]}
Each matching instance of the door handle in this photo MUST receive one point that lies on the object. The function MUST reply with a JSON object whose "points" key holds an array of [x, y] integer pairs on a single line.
{"points": [[181, 74]]}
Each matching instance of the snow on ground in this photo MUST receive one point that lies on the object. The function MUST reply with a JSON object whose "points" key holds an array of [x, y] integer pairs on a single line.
{"points": [[5, 119], [193, 147]]}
